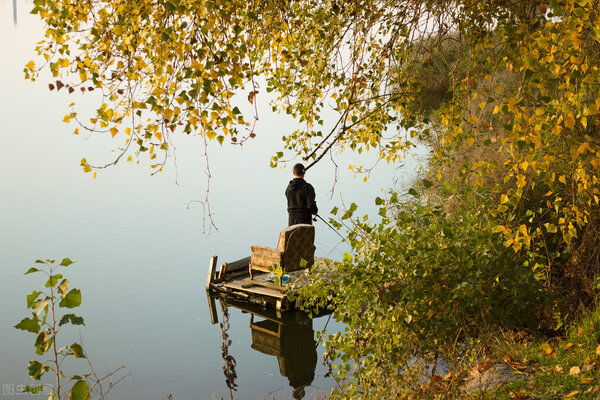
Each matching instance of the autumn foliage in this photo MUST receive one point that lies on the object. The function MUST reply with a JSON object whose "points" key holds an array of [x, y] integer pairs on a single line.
{"points": [[501, 230]]}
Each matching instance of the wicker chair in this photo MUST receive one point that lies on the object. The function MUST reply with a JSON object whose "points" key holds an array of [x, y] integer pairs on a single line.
{"points": [[296, 243]]}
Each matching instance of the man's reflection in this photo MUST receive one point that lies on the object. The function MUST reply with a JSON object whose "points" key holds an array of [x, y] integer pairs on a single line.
{"points": [[294, 346], [287, 335]]}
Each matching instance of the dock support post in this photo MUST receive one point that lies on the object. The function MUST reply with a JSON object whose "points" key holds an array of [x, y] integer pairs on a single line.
{"points": [[211, 271]]}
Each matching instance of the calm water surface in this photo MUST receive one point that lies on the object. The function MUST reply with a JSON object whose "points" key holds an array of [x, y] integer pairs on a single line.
{"points": [[142, 253]]}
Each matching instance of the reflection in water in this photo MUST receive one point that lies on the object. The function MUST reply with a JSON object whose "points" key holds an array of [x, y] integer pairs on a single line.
{"points": [[229, 367], [294, 346], [287, 335]]}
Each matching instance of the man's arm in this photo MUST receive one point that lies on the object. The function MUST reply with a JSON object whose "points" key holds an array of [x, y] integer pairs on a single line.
{"points": [[311, 203]]}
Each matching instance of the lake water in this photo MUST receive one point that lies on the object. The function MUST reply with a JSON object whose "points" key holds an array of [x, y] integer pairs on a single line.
{"points": [[142, 255]]}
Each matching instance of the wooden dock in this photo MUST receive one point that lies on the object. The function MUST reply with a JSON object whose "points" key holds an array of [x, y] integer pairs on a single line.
{"points": [[233, 279]]}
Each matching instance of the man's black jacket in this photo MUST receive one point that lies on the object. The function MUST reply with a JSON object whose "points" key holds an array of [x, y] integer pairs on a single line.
{"points": [[301, 199]]}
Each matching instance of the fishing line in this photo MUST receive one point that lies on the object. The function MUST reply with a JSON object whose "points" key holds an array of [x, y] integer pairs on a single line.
{"points": [[334, 247]]}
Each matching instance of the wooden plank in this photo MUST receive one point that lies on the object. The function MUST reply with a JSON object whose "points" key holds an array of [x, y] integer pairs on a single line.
{"points": [[211, 271], [263, 291], [264, 283], [234, 266]]}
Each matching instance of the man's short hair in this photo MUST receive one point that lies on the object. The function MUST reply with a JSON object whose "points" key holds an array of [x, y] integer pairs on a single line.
{"points": [[298, 169]]}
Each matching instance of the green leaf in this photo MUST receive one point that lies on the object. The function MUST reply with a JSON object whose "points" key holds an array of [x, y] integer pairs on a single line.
{"points": [[40, 262], [413, 192], [71, 299], [427, 183], [80, 391], [53, 280], [66, 262], [378, 201], [43, 342], [36, 369], [29, 324], [170, 7], [77, 350], [334, 211], [33, 389], [32, 297], [31, 270], [40, 305], [72, 318], [63, 287]]}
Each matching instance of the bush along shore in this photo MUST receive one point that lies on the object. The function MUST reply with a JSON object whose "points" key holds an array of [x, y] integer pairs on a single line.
{"points": [[486, 269]]}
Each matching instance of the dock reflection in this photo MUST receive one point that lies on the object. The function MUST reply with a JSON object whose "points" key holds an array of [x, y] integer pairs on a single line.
{"points": [[287, 335]]}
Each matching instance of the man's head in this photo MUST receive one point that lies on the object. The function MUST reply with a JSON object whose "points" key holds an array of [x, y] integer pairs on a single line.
{"points": [[298, 170]]}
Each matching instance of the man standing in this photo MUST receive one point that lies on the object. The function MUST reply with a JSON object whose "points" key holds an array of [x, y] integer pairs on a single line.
{"points": [[300, 198]]}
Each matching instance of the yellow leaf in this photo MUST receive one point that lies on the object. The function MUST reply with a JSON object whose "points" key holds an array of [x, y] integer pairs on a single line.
{"points": [[130, 159], [572, 394], [567, 346], [583, 147], [30, 65], [598, 350], [470, 141], [498, 229], [569, 121], [67, 119], [551, 228], [158, 135], [113, 131], [586, 380], [128, 131], [523, 229], [562, 179], [86, 168], [503, 199], [574, 371], [94, 174], [590, 110], [545, 347]]}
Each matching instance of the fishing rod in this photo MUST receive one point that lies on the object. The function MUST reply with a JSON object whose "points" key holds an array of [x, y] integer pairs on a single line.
{"points": [[326, 223]]}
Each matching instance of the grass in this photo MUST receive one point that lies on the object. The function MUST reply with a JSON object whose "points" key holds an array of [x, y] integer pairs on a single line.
{"points": [[561, 368]]}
